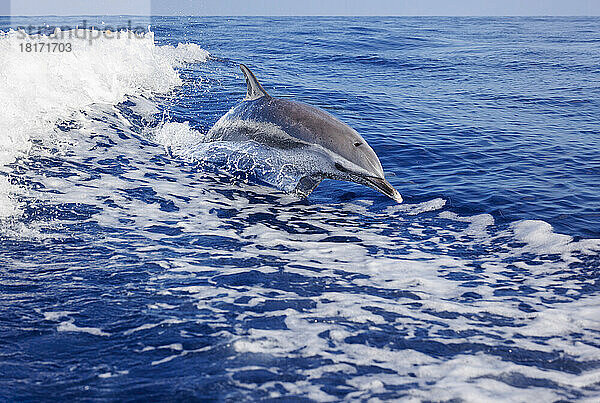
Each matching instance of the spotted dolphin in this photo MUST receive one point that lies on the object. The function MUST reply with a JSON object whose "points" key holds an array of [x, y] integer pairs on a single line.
{"points": [[341, 153]]}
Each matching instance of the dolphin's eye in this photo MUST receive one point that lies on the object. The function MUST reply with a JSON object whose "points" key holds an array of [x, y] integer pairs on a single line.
{"points": [[357, 144]]}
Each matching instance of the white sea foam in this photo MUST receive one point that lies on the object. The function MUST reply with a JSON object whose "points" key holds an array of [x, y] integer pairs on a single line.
{"points": [[69, 326], [56, 315], [345, 307], [41, 89], [418, 208], [179, 139]]}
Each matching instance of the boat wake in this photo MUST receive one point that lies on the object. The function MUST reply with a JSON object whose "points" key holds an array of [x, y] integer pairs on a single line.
{"points": [[171, 268]]}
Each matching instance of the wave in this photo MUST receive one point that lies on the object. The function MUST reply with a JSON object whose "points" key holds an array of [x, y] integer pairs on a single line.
{"points": [[42, 90]]}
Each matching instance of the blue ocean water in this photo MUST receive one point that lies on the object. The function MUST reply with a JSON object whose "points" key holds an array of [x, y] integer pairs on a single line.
{"points": [[133, 270]]}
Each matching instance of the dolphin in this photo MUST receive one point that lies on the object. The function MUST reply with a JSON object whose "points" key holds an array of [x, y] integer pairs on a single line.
{"points": [[283, 124]]}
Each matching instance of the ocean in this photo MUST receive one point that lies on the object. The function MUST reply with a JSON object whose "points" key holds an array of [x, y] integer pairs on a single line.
{"points": [[138, 265]]}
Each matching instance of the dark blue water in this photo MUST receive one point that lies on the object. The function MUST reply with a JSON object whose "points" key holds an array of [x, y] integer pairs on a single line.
{"points": [[132, 271]]}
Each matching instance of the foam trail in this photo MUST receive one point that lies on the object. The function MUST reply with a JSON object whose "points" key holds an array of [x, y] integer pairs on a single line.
{"points": [[41, 89], [378, 278]]}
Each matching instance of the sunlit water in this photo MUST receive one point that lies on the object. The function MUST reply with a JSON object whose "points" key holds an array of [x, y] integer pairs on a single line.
{"points": [[135, 264]]}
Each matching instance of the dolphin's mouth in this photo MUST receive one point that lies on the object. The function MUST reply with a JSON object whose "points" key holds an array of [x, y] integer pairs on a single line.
{"points": [[383, 186]]}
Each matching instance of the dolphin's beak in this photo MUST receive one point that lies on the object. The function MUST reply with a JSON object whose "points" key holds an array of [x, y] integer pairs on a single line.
{"points": [[384, 187]]}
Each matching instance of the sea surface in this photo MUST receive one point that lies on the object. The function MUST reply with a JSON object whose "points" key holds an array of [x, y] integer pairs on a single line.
{"points": [[138, 265]]}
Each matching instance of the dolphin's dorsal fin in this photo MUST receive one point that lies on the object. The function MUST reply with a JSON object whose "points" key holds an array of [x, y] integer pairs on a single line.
{"points": [[255, 90]]}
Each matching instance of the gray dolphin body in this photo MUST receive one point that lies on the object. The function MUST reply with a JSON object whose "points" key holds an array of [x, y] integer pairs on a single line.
{"points": [[341, 152]]}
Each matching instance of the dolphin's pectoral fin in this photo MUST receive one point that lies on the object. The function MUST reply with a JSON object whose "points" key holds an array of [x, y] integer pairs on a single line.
{"points": [[306, 185], [255, 90]]}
